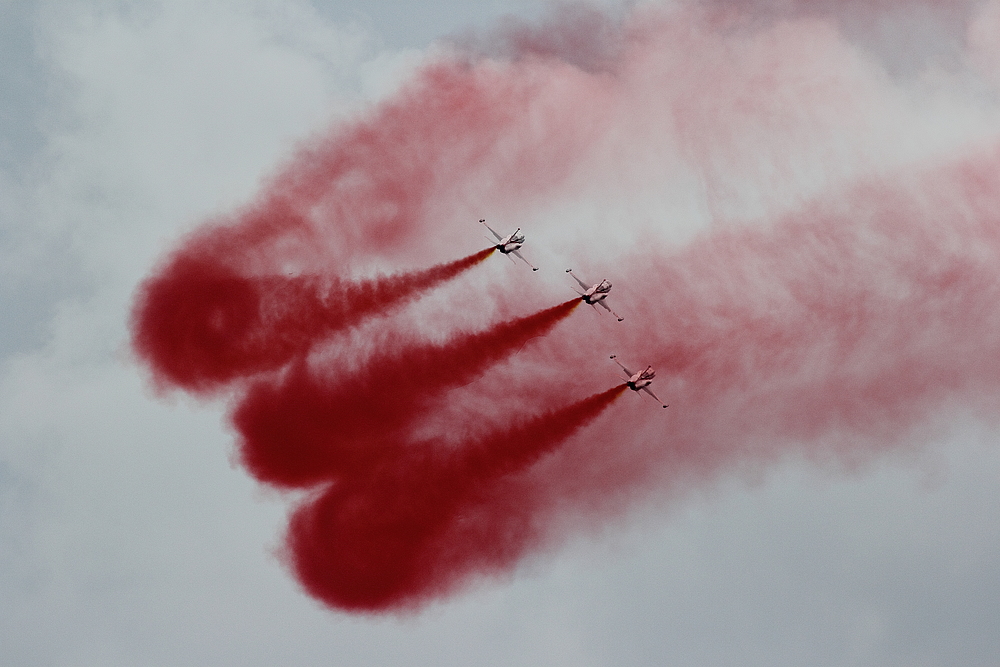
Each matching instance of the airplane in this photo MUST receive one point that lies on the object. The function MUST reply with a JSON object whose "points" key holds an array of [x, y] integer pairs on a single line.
{"points": [[639, 381], [595, 294], [509, 245]]}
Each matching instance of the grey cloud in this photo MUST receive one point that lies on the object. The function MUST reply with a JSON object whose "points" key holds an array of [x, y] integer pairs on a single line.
{"points": [[128, 537]]}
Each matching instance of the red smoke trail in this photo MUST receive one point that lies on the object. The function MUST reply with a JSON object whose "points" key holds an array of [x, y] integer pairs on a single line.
{"points": [[308, 427], [383, 539], [841, 326], [371, 187], [199, 325], [845, 329]]}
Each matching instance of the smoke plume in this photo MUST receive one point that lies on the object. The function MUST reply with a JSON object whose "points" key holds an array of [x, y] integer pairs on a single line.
{"points": [[802, 274], [419, 517], [306, 428], [200, 325]]}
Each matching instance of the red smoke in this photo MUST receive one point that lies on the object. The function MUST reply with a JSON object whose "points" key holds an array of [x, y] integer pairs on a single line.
{"points": [[309, 427], [222, 315], [373, 187], [199, 324], [840, 325], [382, 536]]}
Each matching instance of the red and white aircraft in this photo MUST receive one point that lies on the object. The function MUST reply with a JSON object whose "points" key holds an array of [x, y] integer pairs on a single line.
{"points": [[509, 245], [640, 381], [596, 294]]}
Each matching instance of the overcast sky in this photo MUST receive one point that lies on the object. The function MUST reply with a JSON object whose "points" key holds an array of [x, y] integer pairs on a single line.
{"points": [[128, 535]]}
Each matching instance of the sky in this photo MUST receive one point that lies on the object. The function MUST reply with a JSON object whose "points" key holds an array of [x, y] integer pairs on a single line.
{"points": [[794, 199]]}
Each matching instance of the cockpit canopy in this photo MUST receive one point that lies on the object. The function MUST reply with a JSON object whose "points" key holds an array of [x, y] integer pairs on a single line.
{"points": [[517, 238]]}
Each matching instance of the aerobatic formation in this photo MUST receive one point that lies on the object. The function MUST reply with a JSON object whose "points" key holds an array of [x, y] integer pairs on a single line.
{"points": [[378, 524], [436, 443]]}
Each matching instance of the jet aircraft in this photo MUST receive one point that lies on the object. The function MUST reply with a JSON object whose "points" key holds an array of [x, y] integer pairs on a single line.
{"points": [[510, 245], [596, 294], [639, 381]]}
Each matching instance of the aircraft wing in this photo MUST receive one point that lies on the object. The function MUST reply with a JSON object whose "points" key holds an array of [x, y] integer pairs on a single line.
{"points": [[608, 308], [499, 238], [518, 254], [650, 392], [584, 285], [630, 373]]}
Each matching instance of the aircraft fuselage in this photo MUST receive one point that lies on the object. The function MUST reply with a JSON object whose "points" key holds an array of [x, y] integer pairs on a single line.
{"points": [[508, 246], [594, 298], [510, 243], [641, 380], [597, 293]]}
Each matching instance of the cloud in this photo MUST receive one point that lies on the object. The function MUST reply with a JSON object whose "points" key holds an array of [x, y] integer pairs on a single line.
{"points": [[135, 537]]}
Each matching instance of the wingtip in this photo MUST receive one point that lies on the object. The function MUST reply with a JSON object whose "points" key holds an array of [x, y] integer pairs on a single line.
{"points": [[569, 270], [666, 406], [534, 268], [621, 319]]}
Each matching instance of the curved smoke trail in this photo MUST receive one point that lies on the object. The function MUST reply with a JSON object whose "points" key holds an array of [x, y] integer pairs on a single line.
{"points": [[841, 324], [309, 427], [382, 538], [200, 325]]}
